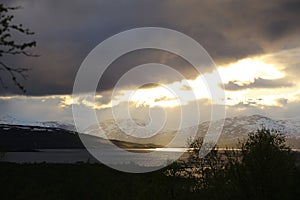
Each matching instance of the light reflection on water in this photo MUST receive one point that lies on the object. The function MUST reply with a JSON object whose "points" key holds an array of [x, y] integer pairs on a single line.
{"points": [[82, 155], [163, 149]]}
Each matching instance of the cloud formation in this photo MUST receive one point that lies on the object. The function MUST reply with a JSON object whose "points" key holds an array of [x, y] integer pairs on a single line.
{"points": [[260, 83], [67, 31]]}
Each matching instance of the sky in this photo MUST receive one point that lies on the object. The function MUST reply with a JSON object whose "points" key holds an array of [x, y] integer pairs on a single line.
{"points": [[254, 44]]}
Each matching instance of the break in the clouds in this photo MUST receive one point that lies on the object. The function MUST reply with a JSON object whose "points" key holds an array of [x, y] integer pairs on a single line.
{"points": [[66, 31], [255, 45]]}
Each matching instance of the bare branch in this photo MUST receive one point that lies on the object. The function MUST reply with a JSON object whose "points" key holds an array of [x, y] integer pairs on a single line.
{"points": [[13, 72], [8, 46]]}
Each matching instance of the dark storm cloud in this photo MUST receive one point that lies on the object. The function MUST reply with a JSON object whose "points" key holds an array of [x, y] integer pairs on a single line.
{"points": [[67, 30], [126, 62], [259, 83]]}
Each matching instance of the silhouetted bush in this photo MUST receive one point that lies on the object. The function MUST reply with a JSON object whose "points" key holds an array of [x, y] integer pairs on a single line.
{"points": [[266, 169]]}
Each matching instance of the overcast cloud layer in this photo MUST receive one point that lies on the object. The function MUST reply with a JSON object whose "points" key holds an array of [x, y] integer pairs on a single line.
{"points": [[66, 31]]}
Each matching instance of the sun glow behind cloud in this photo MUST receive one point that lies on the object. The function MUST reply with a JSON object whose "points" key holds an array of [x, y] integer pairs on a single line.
{"points": [[170, 95], [243, 72], [271, 67]]}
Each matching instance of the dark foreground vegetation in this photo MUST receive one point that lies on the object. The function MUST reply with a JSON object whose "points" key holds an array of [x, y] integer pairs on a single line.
{"points": [[265, 168]]}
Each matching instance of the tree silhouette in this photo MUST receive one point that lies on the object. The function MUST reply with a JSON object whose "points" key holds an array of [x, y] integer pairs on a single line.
{"points": [[9, 46], [263, 168], [199, 171], [266, 169]]}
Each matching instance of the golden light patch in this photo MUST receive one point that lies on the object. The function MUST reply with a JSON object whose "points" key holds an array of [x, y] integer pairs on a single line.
{"points": [[245, 71]]}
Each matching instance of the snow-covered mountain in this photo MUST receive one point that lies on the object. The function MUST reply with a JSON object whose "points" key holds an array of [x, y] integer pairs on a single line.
{"points": [[50, 124], [241, 125], [136, 130], [291, 126], [234, 129], [237, 128]]}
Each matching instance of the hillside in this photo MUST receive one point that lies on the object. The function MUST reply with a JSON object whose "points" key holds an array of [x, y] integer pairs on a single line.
{"points": [[32, 138]]}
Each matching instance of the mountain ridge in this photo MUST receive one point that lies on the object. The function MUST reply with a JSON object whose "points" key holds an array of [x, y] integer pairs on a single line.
{"points": [[235, 129]]}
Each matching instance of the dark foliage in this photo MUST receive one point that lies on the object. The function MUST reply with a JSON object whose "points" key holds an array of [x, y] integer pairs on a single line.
{"points": [[85, 181], [266, 170]]}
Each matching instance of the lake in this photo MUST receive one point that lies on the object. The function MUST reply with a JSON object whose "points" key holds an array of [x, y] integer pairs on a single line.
{"points": [[82, 155], [141, 156]]}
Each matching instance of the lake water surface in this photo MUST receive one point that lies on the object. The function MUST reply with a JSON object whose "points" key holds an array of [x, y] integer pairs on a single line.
{"points": [[111, 157], [82, 155]]}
